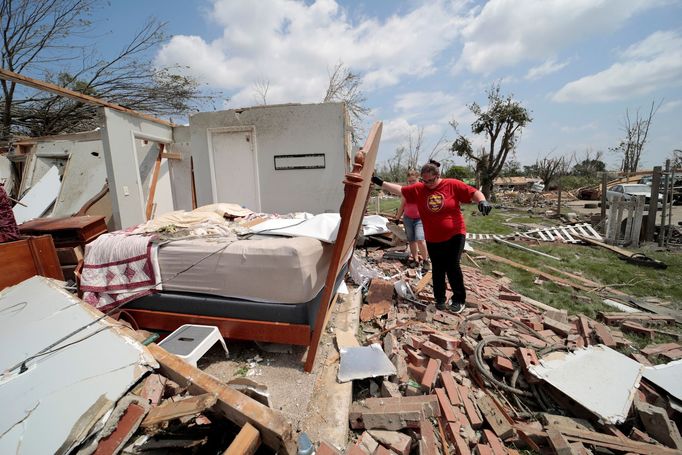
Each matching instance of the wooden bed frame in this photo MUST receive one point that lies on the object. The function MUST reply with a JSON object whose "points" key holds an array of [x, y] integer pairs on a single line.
{"points": [[356, 194]]}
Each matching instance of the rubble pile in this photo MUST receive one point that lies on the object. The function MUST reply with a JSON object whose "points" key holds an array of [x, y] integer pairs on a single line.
{"points": [[507, 374]]}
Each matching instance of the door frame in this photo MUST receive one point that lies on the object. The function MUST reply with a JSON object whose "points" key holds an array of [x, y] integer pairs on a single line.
{"points": [[254, 154]]}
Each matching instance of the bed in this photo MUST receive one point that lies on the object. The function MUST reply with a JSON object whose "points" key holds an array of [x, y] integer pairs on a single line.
{"points": [[298, 277]]}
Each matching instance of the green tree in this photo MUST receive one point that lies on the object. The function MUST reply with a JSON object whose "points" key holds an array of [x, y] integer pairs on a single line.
{"points": [[459, 172], [501, 123]]}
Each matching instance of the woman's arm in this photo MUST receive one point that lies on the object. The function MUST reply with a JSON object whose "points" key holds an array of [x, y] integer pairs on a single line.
{"points": [[399, 213], [392, 188], [477, 197]]}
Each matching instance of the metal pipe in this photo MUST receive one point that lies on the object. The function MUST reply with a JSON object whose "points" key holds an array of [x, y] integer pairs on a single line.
{"points": [[514, 245]]}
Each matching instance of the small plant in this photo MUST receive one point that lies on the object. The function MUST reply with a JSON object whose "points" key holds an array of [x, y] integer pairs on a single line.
{"points": [[241, 371]]}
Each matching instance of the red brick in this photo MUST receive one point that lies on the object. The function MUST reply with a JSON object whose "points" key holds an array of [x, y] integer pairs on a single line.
{"points": [[461, 447], [427, 443], [445, 406], [436, 352], [510, 297], [483, 449], [503, 364], [527, 357], [604, 335], [445, 341], [450, 387], [429, 377], [494, 442], [327, 449], [654, 349], [673, 354], [470, 408], [416, 373], [393, 413], [491, 351], [415, 357]]}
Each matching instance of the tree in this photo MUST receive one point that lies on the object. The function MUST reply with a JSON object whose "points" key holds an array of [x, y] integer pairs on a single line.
{"points": [[676, 159], [590, 165], [511, 168], [458, 172], [344, 85], [636, 132], [35, 42], [501, 123], [549, 169]]}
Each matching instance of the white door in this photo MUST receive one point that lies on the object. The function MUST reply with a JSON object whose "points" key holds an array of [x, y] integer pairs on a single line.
{"points": [[235, 168]]}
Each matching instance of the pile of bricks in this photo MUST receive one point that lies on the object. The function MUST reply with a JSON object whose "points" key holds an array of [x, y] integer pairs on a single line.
{"points": [[456, 373]]}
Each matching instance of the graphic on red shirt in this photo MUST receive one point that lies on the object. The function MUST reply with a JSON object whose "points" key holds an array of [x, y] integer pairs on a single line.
{"points": [[435, 202]]}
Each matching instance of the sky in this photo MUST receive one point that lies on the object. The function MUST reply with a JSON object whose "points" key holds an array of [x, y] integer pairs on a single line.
{"points": [[577, 65]]}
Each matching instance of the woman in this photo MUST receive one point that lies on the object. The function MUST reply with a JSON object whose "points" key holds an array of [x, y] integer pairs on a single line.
{"points": [[414, 228], [438, 201]]}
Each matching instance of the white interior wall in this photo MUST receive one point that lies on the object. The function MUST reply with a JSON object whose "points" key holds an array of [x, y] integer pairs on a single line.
{"points": [[119, 134], [291, 129]]}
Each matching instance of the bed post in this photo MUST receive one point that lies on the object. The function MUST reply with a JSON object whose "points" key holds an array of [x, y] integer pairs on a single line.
{"points": [[356, 190]]}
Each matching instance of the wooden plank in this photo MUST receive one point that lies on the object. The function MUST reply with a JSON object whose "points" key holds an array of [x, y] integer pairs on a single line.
{"points": [[170, 410], [172, 156], [275, 431], [494, 417], [613, 442], [61, 91], [426, 279], [535, 271], [246, 442], [559, 442], [155, 179]]}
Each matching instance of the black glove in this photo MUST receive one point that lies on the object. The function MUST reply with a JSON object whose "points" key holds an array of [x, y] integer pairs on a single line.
{"points": [[484, 207], [377, 181]]}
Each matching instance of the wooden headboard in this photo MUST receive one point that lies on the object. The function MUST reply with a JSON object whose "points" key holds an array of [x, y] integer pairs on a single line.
{"points": [[356, 188]]}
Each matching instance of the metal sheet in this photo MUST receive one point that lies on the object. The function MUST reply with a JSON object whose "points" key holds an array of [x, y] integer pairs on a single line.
{"points": [[602, 380], [364, 362], [39, 198], [42, 404], [668, 377]]}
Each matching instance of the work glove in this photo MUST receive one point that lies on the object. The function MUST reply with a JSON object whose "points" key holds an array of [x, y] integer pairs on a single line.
{"points": [[484, 207], [377, 181]]}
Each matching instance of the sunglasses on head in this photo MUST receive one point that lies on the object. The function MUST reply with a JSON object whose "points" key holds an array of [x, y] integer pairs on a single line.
{"points": [[428, 181]]}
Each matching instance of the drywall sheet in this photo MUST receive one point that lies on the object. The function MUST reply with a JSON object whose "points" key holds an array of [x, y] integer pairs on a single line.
{"points": [[39, 198], [602, 380], [668, 377], [88, 371], [84, 177]]}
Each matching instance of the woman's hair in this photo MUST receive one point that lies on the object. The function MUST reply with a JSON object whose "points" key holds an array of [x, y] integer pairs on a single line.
{"points": [[412, 173], [430, 168], [434, 162]]}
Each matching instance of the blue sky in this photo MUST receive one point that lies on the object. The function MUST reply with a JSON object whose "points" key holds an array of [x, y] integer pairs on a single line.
{"points": [[577, 65]]}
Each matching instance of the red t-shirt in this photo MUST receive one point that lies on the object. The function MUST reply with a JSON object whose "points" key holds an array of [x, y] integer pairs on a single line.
{"points": [[439, 207]]}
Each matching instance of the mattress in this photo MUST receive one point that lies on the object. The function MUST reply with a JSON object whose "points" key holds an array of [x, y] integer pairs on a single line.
{"points": [[266, 269]]}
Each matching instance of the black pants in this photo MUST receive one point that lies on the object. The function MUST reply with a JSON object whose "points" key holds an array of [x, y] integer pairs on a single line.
{"points": [[445, 258]]}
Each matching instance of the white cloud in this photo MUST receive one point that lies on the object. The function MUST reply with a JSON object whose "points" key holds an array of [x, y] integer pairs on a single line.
{"points": [[294, 45], [670, 106], [578, 128], [507, 32], [548, 67], [647, 66]]}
